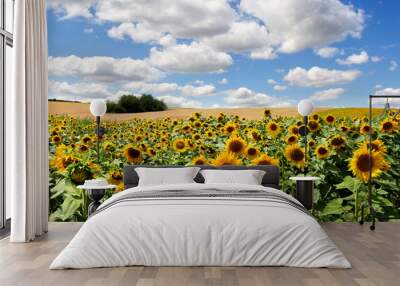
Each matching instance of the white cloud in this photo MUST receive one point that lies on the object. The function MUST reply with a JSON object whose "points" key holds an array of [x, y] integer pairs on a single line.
{"points": [[318, 77], [354, 59], [243, 97], [387, 91], [177, 101], [241, 37], [203, 90], [327, 52], [272, 81], [180, 18], [223, 81], [279, 87], [71, 8], [266, 53], [78, 91], [378, 86], [105, 69], [393, 65], [193, 58], [295, 25], [137, 32], [376, 59], [328, 94]]}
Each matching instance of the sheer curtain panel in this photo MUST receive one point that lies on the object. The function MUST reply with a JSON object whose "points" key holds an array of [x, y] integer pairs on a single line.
{"points": [[26, 124]]}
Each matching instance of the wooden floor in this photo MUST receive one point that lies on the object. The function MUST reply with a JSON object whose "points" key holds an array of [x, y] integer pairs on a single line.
{"points": [[375, 257]]}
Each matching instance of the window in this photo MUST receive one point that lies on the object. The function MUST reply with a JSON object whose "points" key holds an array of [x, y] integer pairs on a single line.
{"points": [[6, 44]]}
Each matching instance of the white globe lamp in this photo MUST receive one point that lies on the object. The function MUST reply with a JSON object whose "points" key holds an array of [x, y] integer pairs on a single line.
{"points": [[305, 107], [98, 108]]}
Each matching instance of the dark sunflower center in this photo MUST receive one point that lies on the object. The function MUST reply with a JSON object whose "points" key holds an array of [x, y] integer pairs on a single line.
{"points": [[180, 145], [133, 153], [322, 151], [273, 127], [297, 155], [312, 125], [363, 163], [252, 151], [330, 119], [264, 162], [387, 126], [236, 146], [199, 162], [292, 139], [230, 129], [337, 141]]}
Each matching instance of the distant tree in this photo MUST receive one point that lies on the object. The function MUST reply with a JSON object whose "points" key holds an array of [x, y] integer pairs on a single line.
{"points": [[134, 104]]}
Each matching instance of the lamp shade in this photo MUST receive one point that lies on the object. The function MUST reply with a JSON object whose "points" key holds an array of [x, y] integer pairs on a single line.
{"points": [[305, 107], [98, 107]]}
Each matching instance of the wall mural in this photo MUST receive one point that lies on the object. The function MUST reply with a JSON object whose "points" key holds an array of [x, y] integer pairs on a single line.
{"points": [[337, 153]]}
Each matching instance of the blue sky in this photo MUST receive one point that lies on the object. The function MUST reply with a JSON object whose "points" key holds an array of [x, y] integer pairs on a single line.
{"points": [[225, 53]]}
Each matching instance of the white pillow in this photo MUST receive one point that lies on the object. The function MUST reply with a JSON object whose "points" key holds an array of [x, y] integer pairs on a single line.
{"points": [[248, 177], [166, 176]]}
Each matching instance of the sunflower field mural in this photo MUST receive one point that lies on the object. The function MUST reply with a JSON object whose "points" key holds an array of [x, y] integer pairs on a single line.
{"points": [[337, 153]]}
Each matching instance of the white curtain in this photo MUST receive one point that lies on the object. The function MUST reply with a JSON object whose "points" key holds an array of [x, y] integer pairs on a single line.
{"points": [[26, 124]]}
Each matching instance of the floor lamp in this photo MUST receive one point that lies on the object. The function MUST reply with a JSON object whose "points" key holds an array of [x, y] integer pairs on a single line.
{"points": [[305, 108], [98, 108]]}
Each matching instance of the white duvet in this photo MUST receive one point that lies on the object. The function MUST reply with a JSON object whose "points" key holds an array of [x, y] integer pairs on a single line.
{"points": [[202, 232]]}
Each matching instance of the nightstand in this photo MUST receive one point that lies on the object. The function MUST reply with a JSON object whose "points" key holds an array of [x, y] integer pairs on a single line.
{"points": [[95, 194], [305, 189]]}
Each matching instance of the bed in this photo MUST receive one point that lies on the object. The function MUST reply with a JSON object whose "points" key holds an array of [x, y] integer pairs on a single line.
{"points": [[197, 224]]}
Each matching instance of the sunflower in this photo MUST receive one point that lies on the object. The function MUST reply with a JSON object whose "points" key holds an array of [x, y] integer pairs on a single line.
{"points": [[226, 158], [365, 129], [61, 162], [295, 155], [292, 139], [79, 174], [388, 126], [230, 127], [209, 133], [132, 154], [109, 147], [322, 152], [253, 134], [264, 159], [315, 117], [337, 142], [83, 148], [313, 125], [86, 139], [312, 143], [344, 128], [330, 119], [273, 129], [377, 145], [294, 130], [251, 152], [196, 137], [180, 145], [199, 160], [56, 139], [360, 164], [151, 152], [114, 177], [235, 145], [267, 113]]}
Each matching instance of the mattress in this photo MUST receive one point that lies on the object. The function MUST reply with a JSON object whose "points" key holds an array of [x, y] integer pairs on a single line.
{"points": [[201, 225]]}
